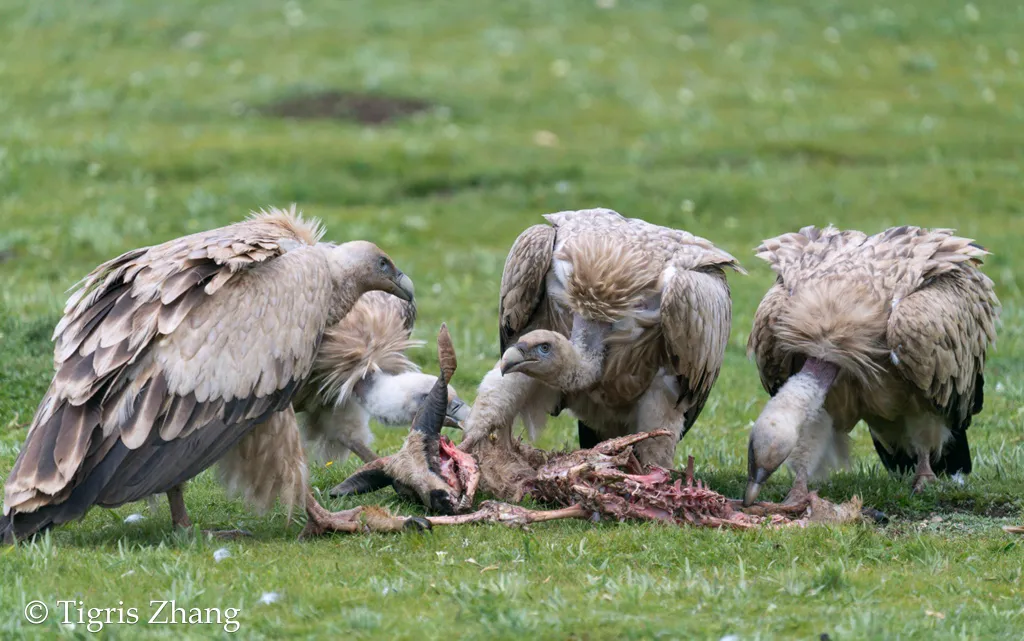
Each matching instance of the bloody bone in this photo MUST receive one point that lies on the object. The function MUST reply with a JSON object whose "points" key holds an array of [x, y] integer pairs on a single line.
{"points": [[606, 481]]}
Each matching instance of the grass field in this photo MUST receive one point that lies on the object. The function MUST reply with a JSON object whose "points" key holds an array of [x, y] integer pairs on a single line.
{"points": [[127, 123]]}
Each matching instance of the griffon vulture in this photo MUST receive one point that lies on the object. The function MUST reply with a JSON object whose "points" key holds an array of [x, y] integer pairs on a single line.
{"points": [[892, 329], [362, 372], [170, 357], [622, 322]]}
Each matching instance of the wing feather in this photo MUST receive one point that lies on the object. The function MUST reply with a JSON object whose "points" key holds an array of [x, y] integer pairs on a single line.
{"points": [[939, 336], [774, 364], [522, 280], [132, 377], [696, 317]]}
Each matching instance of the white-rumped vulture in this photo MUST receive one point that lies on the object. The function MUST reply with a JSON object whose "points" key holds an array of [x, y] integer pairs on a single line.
{"points": [[892, 329]]}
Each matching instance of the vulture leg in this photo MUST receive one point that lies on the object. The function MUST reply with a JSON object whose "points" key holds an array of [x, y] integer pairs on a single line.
{"points": [[339, 430], [927, 433], [363, 518], [924, 476], [799, 492], [179, 515], [658, 410], [360, 450]]}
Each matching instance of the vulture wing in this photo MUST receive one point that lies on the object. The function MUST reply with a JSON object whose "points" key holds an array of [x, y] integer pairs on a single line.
{"points": [[774, 364], [938, 336], [166, 356], [522, 281], [696, 317]]}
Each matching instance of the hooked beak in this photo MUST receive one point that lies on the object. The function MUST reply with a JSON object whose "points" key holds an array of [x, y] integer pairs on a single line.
{"points": [[458, 411], [404, 288], [513, 359], [754, 483]]}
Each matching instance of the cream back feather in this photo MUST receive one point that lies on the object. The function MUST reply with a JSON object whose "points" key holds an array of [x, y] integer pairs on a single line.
{"points": [[372, 338], [604, 279], [308, 231], [843, 286], [844, 326]]}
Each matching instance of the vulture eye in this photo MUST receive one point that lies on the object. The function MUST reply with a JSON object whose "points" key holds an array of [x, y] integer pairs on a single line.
{"points": [[544, 348], [383, 263]]}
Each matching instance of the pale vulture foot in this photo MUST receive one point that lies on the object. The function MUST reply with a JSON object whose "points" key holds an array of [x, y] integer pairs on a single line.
{"points": [[320, 521], [924, 476], [798, 494], [921, 481]]}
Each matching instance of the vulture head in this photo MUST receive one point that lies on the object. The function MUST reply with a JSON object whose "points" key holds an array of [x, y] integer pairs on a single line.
{"points": [[778, 429], [368, 265], [395, 400], [428, 468], [541, 354], [553, 359]]}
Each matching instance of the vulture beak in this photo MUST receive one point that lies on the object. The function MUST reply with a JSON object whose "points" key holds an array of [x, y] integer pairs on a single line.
{"points": [[756, 477], [514, 358], [404, 288], [754, 488], [458, 411]]}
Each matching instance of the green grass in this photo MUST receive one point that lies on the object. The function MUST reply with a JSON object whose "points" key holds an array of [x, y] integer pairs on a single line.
{"points": [[124, 123]]}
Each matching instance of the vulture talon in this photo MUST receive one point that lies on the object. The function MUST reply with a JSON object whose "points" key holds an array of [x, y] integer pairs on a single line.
{"points": [[922, 481]]}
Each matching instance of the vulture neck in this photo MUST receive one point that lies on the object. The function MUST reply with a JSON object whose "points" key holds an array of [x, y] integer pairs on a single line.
{"points": [[794, 404], [586, 365], [344, 299]]}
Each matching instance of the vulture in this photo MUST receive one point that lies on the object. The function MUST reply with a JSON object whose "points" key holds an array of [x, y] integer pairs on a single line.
{"points": [[362, 372], [892, 329], [622, 322], [173, 357]]}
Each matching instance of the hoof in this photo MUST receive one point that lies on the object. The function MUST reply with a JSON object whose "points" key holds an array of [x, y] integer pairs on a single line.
{"points": [[417, 523], [871, 514]]}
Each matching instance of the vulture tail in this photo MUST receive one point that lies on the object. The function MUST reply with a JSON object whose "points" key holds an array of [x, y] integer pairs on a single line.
{"points": [[844, 326], [373, 337], [20, 526]]}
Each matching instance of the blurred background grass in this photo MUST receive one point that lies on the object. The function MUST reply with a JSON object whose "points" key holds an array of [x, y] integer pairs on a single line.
{"points": [[440, 130]]}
